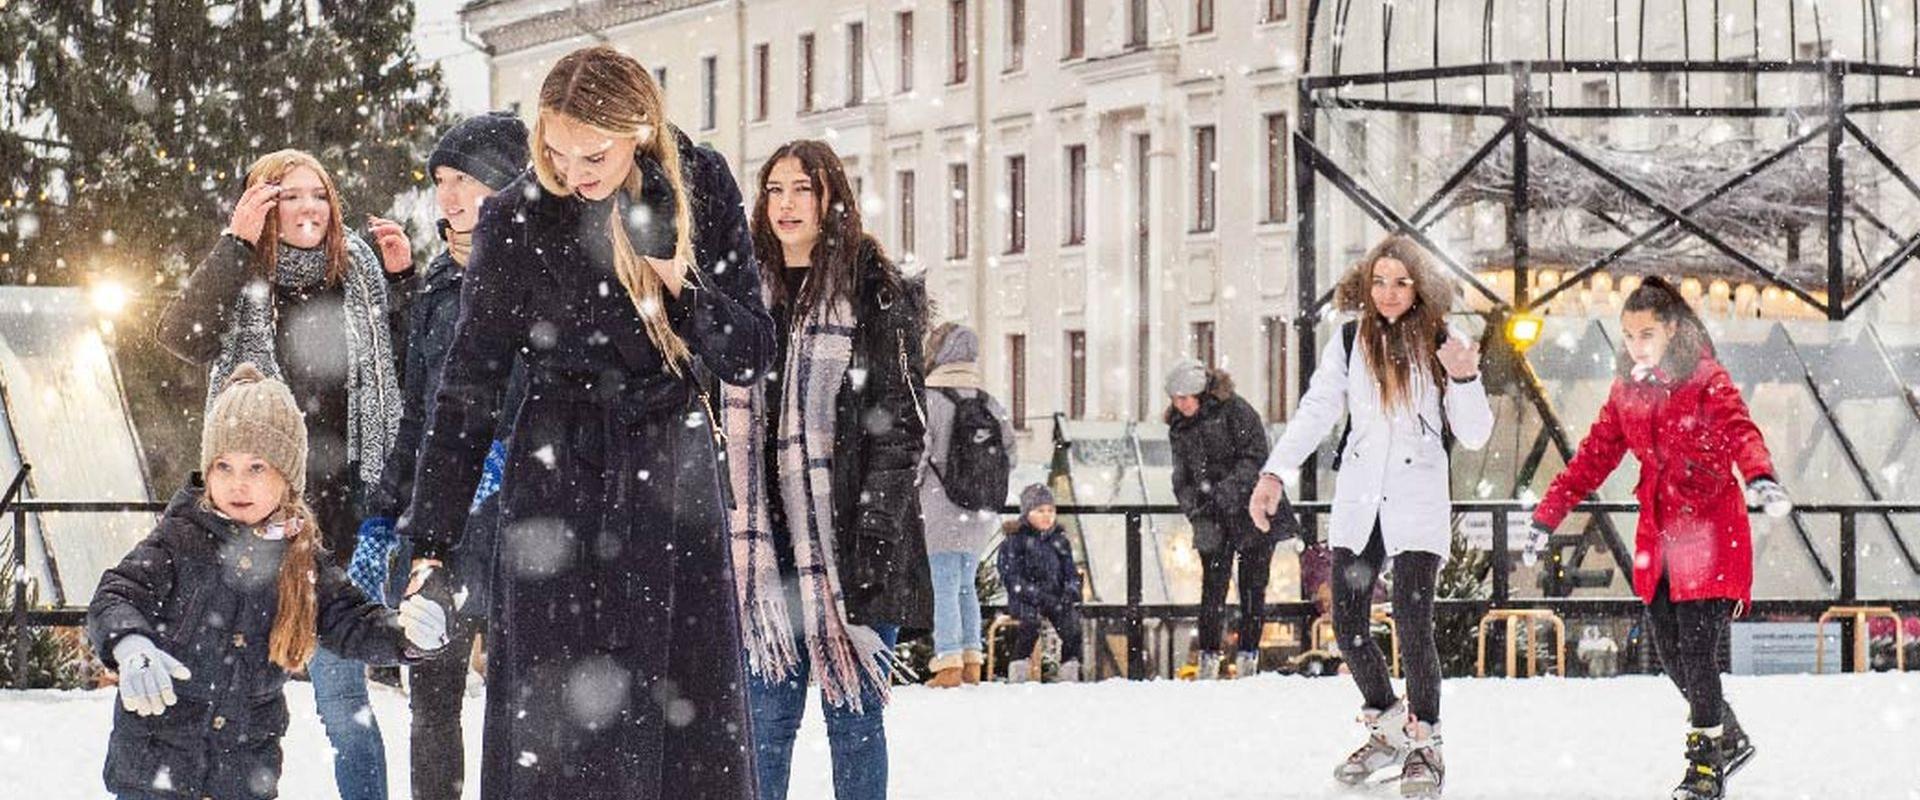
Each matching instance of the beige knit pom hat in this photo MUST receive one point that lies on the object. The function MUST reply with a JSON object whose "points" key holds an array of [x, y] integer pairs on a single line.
{"points": [[258, 415]]}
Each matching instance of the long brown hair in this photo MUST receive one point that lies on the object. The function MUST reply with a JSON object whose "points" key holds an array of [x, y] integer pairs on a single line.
{"points": [[1392, 348], [295, 634], [610, 92], [273, 168], [1690, 339], [836, 254]]}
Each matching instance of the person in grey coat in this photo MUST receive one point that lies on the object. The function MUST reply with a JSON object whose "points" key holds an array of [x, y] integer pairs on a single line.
{"points": [[955, 535]]}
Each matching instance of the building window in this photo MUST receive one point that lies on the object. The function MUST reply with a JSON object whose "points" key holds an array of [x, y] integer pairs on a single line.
{"points": [[957, 41], [1276, 10], [806, 73], [957, 210], [1203, 344], [1205, 178], [709, 93], [1076, 374], [1202, 16], [1136, 24], [1016, 35], [905, 206], [1076, 194], [1017, 367], [660, 77], [905, 24], [1276, 205], [856, 63], [1017, 204], [762, 69], [1076, 12], [1275, 329]]}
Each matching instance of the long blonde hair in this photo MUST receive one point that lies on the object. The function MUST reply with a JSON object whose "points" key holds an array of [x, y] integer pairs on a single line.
{"points": [[610, 92], [1392, 348], [272, 168]]}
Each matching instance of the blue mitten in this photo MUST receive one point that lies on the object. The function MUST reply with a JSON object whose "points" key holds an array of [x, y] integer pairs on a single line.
{"points": [[491, 472], [368, 569]]}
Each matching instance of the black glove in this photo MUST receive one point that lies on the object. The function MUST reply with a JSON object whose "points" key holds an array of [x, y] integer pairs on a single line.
{"points": [[649, 220]]}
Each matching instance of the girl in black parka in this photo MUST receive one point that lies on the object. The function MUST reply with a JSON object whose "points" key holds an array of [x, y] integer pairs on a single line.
{"points": [[1218, 445], [207, 616], [614, 272], [829, 554]]}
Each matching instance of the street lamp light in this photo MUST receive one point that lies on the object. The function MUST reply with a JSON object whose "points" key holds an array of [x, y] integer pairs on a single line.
{"points": [[109, 297], [1523, 329]]}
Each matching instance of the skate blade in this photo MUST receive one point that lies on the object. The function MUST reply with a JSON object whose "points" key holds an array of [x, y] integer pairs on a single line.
{"points": [[1734, 764]]}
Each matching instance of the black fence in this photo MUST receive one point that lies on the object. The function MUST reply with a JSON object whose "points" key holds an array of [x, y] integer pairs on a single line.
{"points": [[1134, 613]]}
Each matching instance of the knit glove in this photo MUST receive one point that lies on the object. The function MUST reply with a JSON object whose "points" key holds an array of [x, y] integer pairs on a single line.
{"points": [[368, 568], [424, 614], [1770, 496], [147, 674], [1537, 535], [491, 473]]}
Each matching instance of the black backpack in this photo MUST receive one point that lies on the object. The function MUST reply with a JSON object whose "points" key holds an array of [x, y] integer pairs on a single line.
{"points": [[976, 471], [1348, 332]]}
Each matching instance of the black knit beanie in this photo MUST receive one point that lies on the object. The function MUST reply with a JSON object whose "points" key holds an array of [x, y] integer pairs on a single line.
{"points": [[491, 147]]}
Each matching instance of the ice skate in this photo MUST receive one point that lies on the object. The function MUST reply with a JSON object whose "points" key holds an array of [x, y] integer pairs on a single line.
{"points": [[1385, 748]]}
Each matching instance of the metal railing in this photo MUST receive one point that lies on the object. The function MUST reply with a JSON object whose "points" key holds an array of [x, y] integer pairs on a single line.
{"points": [[1134, 612]]}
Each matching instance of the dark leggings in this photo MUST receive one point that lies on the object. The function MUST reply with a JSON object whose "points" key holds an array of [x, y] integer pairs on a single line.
{"points": [[1414, 573], [1687, 635], [1215, 568], [439, 690]]}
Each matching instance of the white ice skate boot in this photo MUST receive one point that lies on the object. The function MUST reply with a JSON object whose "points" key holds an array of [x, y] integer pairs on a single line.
{"points": [[1424, 772], [1386, 745]]}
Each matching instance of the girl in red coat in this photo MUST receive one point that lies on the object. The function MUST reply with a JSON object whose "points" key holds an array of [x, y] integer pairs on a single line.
{"points": [[1674, 407]]}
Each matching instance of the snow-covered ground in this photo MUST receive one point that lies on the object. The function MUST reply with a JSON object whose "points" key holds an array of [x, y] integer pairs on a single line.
{"points": [[1272, 737]]}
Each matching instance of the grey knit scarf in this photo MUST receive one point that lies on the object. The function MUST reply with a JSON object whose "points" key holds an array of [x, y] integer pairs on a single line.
{"points": [[844, 656], [373, 384]]}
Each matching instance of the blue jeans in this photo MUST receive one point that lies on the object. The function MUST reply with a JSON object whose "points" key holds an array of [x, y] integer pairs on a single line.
{"points": [[359, 754], [858, 742], [956, 605]]}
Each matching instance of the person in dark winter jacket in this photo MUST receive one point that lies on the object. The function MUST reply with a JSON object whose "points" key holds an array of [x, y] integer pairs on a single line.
{"points": [[829, 557], [206, 617], [619, 272], [1043, 585], [476, 158], [1675, 408], [1219, 445], [290, 288], [955, 535]]}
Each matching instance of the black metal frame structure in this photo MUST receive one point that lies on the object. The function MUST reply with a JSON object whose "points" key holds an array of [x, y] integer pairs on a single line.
{"points": [[1522, 127]]}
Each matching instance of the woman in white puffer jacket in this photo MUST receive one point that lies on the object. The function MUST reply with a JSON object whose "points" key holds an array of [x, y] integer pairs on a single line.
{"points": [[1406, 381]]}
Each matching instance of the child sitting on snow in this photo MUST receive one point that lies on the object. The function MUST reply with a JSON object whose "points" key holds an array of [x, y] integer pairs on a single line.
{"points": [[1037, 569], [206, 617]]}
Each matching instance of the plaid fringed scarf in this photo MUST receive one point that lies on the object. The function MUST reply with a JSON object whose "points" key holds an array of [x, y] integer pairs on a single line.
{"points": [[843, 655]]}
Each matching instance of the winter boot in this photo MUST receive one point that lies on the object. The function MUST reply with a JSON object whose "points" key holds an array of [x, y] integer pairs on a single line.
{"points": [[1246, 664], [1735, 747], [1069, 672], [1424, 773], [970, 661], [1209, 666], [1706, 767], [1386, 745], [946, 671], [1019, 671]]}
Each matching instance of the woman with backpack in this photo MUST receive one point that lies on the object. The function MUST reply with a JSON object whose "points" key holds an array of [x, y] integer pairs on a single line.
{"points": [[963, 483], [1401, 388]]}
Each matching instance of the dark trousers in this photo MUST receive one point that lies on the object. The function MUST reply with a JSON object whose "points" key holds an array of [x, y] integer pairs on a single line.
{"points": [[1066, 622], [439, 689], [1687, 636], [1215, 568], [1414, 576]]}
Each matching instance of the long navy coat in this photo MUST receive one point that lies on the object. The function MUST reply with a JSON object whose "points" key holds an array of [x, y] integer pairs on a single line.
{"points": [[615, 666]]}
